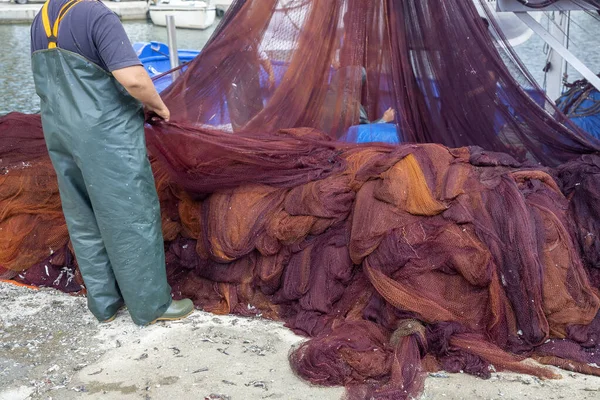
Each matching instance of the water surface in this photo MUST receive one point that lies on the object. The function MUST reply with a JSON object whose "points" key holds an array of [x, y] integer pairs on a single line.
{"points": [[16, 81]]}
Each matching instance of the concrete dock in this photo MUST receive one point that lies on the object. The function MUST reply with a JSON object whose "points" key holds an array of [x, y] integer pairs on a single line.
{"points": [[11, 13]]}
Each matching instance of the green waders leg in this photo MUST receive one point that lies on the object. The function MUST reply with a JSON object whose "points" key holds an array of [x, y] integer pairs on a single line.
{"points": [[89, 245], [123, 195], [95, 137]]}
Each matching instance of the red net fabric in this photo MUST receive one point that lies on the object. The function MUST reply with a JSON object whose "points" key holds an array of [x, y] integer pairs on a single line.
{"points": [[450, 79], [394, 259]]}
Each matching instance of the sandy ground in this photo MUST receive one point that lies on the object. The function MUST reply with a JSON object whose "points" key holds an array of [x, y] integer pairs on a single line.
{"points": [[52, 348]]}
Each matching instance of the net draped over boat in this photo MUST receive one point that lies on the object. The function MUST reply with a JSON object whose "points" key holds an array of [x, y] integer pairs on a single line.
{"points": [[471, 243]]}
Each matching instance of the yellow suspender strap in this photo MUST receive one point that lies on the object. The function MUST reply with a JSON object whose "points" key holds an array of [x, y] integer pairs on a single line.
{"points": [[46, 20], [52, 31]]}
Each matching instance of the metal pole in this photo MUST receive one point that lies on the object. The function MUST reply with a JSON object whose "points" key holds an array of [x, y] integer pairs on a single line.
{"points": [[565, 67], [558, 29], [172, 42], [560, 49]]}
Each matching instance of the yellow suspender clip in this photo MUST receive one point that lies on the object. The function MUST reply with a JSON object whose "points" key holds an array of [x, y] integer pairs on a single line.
{"points": [[52, 31]]}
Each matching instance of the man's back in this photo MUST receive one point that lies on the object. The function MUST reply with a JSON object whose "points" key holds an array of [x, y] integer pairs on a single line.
{"points": [[89, 29]]}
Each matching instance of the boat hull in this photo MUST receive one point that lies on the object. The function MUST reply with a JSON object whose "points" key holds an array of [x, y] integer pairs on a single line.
{"points": [[185, 17]]}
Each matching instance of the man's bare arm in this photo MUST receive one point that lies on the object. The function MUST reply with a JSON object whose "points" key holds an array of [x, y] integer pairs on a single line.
{"points": [[137, 82]]}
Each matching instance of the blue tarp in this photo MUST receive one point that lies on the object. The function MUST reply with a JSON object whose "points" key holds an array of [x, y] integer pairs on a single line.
{"points": [[155, 59], [385, 133], [586, 114]]}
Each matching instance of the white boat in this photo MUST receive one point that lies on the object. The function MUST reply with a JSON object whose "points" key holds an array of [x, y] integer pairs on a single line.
{"points": [[190, 14], [222, 6]]}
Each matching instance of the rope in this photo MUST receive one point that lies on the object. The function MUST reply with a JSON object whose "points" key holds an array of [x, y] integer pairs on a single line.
{"points": [[579, 91]]}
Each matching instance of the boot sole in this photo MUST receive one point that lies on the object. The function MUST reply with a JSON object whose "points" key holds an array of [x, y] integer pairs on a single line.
{"points": [[111, 319], [171, 319]]}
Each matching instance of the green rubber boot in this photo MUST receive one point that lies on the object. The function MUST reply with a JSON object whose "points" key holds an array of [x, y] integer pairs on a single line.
{"points": [[111, 319], [179, 309]]}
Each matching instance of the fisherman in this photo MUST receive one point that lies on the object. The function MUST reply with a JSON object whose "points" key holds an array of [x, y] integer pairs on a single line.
{"points": [[93, 89], [351, 72], [343, 77], [388, 116]]}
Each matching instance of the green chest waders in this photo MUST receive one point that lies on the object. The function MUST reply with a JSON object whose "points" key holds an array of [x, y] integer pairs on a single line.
{"points": [[94, 132]]}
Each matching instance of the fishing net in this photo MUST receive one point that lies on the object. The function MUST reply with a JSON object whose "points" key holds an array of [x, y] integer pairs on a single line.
{"points": [[470, 245]]}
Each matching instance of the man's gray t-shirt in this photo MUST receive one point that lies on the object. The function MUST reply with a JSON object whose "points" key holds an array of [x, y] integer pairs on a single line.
{"points": [[91, 30]]}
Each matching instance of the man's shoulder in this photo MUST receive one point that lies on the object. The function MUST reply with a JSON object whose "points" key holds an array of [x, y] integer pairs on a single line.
{"points": [[93, 8]]}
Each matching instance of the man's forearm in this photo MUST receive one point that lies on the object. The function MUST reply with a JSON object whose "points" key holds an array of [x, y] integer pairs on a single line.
{"points": [[138, 84], [147, 94]]}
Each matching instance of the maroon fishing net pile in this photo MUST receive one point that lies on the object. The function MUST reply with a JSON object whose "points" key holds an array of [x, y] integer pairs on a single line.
{"points": [[470, 246]]}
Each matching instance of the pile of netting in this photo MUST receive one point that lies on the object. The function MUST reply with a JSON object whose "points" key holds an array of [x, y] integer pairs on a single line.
{"points": [[475, 254]]}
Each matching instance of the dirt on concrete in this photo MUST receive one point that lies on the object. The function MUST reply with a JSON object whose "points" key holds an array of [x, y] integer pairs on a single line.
{"points": [[51, 347]]}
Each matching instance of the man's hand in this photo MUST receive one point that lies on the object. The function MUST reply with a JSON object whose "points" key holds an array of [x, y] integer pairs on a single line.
{"points": [[268, 67], [389, 115], [271, 79], [162, 112]]}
